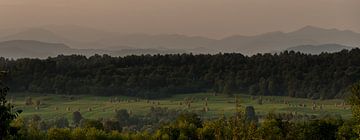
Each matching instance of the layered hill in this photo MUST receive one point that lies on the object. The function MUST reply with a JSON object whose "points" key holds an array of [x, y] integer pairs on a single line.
{"points": [[86, 38]]}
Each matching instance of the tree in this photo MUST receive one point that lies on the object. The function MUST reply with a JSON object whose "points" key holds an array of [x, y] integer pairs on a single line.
{"points": [[6, 112], [355, 101], [274, 127], [110, 125], [355, 105], [229, 87], [59, 134], [122, 116], [347, 131], [188, 123], [61, 123], [190, 118], [77, 117], [250, 114], [86, 123]]}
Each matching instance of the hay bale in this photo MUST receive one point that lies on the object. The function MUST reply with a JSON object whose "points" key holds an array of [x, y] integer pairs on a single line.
{"points": [[205, 109], [313, 107], [28, 101]]}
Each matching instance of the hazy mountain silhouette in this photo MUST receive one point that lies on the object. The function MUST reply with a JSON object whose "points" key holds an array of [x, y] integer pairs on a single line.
{"points": [[273, 41], [79, 33], [317, 49], [37, 49], [44, 35], [85, 38], [38, 34], [30, 48]]}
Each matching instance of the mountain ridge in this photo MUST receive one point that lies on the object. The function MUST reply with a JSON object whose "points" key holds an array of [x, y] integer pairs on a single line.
{"points": [[262, 43]]}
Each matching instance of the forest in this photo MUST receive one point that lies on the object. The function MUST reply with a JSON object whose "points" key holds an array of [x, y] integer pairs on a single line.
{"points": [[289, 73]]}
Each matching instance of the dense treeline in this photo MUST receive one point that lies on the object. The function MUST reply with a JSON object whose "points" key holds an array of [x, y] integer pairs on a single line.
{"points": [[327, 75]]}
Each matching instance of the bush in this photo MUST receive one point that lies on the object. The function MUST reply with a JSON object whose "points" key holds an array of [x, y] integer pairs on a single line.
{"points": [[59, 134], [86, 123]]}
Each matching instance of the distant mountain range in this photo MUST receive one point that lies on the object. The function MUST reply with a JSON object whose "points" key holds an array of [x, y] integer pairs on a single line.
{"points": [[27, 48], [87, 41], [37, 49]]}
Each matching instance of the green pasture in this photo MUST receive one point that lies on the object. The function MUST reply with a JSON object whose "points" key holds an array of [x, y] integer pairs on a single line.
{"points": [[94, 107]]}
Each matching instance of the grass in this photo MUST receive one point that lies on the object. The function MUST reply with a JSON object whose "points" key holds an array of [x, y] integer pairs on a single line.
{"points": [[218, 105]]}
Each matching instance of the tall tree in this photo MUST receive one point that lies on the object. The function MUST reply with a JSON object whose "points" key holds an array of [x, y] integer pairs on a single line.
{"points": [[355, 101], [6, 111]]}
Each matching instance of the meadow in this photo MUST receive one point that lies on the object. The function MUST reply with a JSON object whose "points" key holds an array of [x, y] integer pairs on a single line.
{"points": [[93, 107]]}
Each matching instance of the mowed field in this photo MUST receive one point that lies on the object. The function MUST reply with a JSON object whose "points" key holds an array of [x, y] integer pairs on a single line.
{"points": [[94, 107]]}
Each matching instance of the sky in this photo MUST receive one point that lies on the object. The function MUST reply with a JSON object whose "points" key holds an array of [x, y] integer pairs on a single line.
{"points": [[210, 18]]}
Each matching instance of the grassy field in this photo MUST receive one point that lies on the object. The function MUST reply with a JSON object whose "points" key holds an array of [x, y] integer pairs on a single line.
{"points": [[53, 106]]}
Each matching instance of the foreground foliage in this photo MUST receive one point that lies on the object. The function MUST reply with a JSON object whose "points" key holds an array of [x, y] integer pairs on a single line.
{"points": [[187, 125], [190, 126]]}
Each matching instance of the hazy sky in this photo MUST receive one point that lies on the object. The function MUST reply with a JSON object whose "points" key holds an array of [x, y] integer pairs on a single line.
{"points": [[212, 18]]}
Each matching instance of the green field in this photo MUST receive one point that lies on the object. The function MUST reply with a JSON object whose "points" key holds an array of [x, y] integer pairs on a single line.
{"points": [[53, 106]]}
